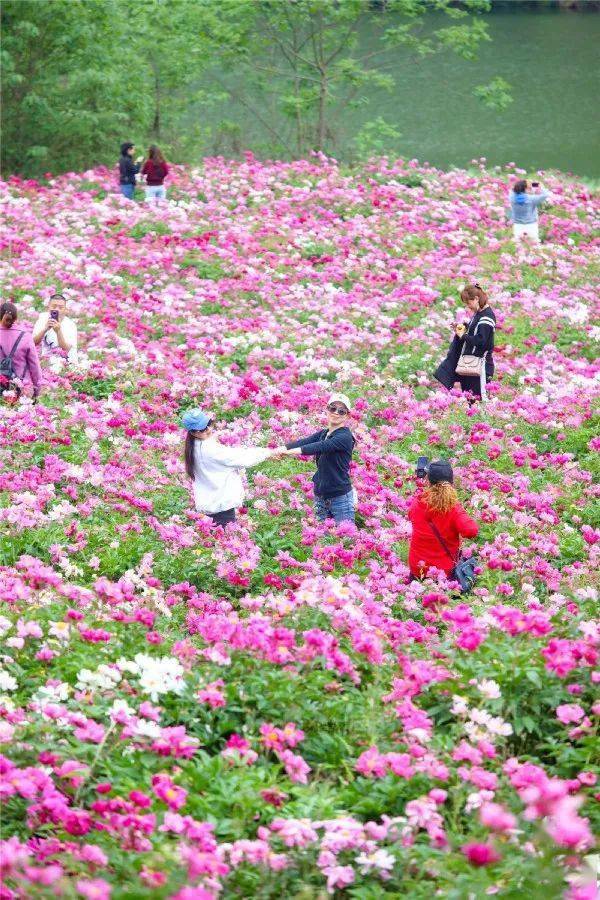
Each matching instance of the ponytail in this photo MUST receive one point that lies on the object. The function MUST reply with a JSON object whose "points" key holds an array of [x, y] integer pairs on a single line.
{"points": [[189, 455]]}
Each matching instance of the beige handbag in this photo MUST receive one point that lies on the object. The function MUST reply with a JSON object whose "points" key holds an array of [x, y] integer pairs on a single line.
{"points": [[470, 365]]}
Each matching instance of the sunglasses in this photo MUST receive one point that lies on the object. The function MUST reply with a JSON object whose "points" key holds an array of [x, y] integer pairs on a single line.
{"points": [[340, 410]]}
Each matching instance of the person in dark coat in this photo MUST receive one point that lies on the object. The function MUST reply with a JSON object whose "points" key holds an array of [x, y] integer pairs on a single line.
{"points": [[128, 169], [475, 338], [335, 498]]}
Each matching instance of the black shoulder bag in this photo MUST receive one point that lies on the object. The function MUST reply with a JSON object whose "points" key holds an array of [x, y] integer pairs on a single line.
{"points": [[464, 569], [8, 376]]}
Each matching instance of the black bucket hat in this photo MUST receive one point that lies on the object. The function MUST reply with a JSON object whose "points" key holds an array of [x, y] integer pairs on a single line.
{"points": [[440, 470]]}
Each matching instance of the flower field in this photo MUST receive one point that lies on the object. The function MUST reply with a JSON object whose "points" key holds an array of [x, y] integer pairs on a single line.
{"points": [[272, 711]]}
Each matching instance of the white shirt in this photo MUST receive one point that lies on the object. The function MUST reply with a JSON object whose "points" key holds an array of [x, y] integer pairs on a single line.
{"points": [[50, 343], [218, 483]]}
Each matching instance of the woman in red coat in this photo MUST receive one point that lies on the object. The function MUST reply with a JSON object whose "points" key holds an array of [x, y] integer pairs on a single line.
{"points": [[437, 505]]}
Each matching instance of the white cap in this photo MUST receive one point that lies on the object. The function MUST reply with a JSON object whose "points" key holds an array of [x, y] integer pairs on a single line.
{"points": [[341, 398]]}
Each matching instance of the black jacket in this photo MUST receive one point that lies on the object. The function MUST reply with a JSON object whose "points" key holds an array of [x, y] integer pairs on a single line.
{"points": [[478, 339], [127, 170], [333, 455]]}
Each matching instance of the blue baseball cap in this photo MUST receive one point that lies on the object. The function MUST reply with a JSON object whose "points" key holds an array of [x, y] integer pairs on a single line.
{"points": [[195, 420]]}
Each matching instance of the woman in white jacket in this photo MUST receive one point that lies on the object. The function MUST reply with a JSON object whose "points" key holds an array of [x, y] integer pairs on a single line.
{"points": [[214, 467]]}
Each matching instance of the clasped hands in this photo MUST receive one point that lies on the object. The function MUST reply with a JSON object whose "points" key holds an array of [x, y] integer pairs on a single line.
{"points": [[283, 451]]}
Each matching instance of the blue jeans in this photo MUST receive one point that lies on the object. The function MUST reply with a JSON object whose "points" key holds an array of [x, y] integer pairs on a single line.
{"points": [[127, 190], [340, 509]]}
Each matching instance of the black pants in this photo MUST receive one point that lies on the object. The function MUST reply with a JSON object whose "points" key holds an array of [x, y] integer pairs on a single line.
{"points": [[224, 517]]}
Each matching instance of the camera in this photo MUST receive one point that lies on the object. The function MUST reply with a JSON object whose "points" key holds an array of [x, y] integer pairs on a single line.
{"points": [[422, 466], [54, 315]]}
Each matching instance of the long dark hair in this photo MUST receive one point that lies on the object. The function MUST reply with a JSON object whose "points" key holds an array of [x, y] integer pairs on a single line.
{"points": [[188, 454], [155, 155]]}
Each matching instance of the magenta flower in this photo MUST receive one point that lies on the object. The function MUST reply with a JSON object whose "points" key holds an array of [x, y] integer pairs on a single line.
{"points": [[479, 854]]}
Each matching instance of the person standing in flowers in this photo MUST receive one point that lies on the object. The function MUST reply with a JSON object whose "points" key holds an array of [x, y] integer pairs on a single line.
{"points": [[437, 508], [332, 448], [215, 468], [18, 356], [156, 170], [475, 338], [525, 199], [55, 331], [128, 169]]}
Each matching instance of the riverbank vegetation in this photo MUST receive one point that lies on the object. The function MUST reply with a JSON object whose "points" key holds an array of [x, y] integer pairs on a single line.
{"points": [[78, 76]]}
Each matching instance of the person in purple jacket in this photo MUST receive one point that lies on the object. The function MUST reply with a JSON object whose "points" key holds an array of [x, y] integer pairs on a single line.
{"points": [[335, 498], [18, 354]]}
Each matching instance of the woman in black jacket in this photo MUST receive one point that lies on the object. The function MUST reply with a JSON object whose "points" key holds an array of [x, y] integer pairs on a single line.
{"points": [[128, 169], [475, 338], [332, 447]]}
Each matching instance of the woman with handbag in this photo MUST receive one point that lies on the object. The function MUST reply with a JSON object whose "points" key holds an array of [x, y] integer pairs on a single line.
{"points": [[438, 523], [470, 360]]}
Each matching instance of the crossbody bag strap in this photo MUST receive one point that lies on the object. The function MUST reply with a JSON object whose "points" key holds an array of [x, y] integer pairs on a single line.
{"points": [[442, 541], [487, 322], [14, 348]]}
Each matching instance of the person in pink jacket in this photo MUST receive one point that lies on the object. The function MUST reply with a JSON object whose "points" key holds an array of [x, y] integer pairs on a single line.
{"points": [[18, 355]]}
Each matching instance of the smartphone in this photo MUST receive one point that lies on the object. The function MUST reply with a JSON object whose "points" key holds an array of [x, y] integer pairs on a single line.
{"points": [[54, 315], [535, 184]]}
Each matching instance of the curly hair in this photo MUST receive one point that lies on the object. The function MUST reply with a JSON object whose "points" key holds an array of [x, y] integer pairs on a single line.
{"points": [[440, 497]]}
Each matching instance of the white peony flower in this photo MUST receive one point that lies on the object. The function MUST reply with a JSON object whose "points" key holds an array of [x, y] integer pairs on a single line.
{"points": [[489, 689], [7, 681], [60, 630]]}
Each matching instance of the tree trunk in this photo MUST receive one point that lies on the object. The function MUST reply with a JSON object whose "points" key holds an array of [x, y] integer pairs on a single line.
{"points": [[156, 122], [322, 107]]}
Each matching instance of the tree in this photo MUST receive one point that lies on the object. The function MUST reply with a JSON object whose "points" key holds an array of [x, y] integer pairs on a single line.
{"points": [[80, 76], [68, 97], [304, 56], [167, 41]]}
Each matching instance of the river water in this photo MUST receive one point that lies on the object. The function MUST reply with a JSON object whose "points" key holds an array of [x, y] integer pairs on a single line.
{"points": [[550, 57], [552, 60]]}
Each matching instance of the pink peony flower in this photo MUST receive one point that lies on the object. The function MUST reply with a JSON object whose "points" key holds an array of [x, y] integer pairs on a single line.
{"points": [[480, 854]]}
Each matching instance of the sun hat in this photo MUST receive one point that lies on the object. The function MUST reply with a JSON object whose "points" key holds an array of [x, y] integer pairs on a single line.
{"points": [[194, 420], [440, 470], [341, 398]]}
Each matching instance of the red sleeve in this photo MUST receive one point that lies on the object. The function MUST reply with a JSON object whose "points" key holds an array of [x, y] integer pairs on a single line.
{"points": [[465, 525], [165, 170], [146, 167], [412, 509]]}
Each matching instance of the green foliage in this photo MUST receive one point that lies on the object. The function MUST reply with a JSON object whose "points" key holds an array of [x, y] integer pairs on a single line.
{"points": [[375, 138], [495, 95], [81, 76], [140, 230], [208, 269], [67, 96]]}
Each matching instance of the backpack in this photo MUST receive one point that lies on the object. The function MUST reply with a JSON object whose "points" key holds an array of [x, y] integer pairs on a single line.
{"points": [[7, 370]]}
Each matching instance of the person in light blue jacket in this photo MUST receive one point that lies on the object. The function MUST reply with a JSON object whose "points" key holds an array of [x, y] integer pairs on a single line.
{"points": [[525, 198]]}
